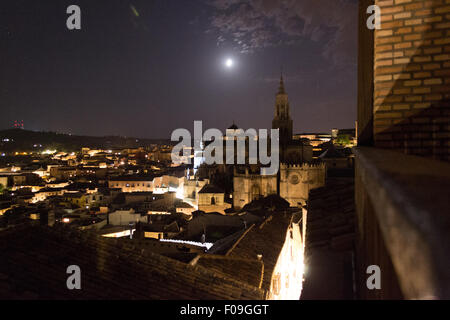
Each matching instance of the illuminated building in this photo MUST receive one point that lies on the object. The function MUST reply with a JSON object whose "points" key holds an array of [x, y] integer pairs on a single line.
{"points": [[132, 183], [212, 199]]}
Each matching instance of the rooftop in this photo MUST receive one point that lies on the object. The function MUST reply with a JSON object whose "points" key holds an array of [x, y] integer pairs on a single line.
{"points": [[36, 258], [210, 188], [266, 239]]}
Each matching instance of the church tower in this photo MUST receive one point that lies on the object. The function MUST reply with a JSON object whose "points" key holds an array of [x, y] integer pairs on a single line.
{"points": [[282, 119]]}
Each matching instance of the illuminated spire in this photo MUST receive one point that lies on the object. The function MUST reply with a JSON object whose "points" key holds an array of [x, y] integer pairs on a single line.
{"points": [[281, 88]]}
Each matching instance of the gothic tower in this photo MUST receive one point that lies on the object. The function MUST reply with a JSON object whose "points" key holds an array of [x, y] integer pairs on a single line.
{"points": [[282, 119]]}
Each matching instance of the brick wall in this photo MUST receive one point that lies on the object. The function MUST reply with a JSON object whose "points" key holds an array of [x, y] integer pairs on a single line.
{"points": [[412, 77]]}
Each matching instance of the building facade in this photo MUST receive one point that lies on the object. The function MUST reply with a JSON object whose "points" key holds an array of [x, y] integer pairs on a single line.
{"points": [[402, 171], [297, 173]]}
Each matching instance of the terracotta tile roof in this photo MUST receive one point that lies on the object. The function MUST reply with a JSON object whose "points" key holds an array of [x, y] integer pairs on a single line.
{"points": [[223, 245], [330, 241], [266, 239], [34, 261], [331, 215], [249, 271]]}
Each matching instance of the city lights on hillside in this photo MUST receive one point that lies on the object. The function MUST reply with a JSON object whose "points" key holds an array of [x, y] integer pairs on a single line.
{"points": [[49, 151]]}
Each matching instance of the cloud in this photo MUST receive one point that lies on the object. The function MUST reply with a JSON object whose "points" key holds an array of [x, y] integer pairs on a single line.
{"points": [[255, 24]]}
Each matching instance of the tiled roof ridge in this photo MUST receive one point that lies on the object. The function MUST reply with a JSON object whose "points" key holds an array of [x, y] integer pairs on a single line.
{"points": [[219, 257], [229, 258], [266, 221], [134, 253], [269, 256], [239, 240], [263, 270]]}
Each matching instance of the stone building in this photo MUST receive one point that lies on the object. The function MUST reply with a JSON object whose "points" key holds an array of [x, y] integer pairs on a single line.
{"points": [[184, 208], [249, 186], [291, 151], [295, 183], [282, 119], [212, 199], [297, 180], [191, 188], [132, 183], [297, 173]]}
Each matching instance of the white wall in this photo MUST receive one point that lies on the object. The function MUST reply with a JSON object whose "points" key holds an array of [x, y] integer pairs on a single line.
{"points": [[287, 277], [123, 218]]}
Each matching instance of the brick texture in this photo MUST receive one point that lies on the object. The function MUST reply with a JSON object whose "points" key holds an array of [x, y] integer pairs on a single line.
{"points": [[412, 77]]}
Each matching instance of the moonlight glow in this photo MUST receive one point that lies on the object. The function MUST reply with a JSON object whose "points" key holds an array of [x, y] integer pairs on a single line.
{"points": [[229, 63]]}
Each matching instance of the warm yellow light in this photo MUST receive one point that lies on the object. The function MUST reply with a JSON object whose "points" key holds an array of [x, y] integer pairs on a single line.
{"points": [[49, 152], [180, 193]]}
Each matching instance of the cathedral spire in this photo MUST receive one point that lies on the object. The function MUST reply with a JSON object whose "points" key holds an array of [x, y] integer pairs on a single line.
{"points": [[281, 88], [282, 119]]}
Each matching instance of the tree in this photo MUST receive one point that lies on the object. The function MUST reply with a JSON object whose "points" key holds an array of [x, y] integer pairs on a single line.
{"points": [[343, 139]]}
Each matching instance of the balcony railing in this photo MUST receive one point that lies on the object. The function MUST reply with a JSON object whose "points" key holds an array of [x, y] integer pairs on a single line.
{"points": [[410, 200]]}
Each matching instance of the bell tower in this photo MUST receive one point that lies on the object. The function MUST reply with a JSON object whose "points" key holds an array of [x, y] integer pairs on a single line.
{"points": [[282, 119]]}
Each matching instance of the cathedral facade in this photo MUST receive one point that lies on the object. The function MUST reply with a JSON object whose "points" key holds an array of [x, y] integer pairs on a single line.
{"points": [[297, 174], [291, 151]]}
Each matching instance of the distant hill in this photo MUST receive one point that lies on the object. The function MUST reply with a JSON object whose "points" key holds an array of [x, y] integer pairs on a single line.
{"points": [[25, 140]]}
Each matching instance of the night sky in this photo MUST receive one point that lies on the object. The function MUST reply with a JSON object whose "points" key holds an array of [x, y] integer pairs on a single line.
{"points": [[143, 68]]}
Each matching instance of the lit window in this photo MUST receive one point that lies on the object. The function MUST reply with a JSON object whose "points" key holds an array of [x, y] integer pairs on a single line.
{"points": [[276, 284]]}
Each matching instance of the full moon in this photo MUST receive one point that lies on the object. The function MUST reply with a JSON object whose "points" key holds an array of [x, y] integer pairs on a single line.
{"points": [[229, 63]]}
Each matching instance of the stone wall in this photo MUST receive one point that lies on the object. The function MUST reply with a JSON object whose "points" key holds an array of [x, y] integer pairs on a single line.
{"points": [[297, 180], [295, 183], [248, 187]]}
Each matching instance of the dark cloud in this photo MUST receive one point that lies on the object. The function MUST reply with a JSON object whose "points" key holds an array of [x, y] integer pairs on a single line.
{"points": [[254, 24]]}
